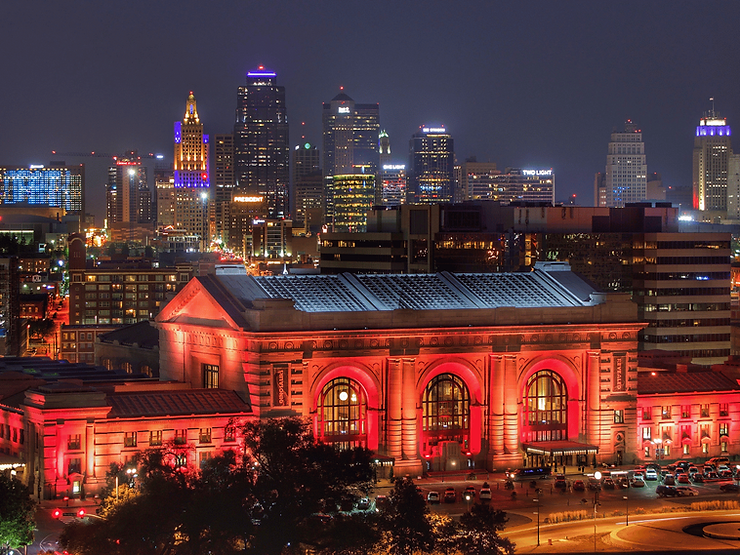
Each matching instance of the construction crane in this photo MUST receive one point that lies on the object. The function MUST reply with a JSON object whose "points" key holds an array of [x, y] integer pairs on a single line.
{"points": [[95, 154]]}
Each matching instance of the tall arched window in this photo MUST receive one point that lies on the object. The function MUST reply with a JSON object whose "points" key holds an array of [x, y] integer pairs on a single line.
{"points": [[446, 416], [342, 414], [545, 408]]}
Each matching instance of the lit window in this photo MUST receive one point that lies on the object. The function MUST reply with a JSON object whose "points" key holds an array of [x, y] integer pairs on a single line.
{"points": [[619, 417], [210, 376], [155, 437], [181, 437], [647, 433], [705, 411], [74, 442], [129, 439], [205, 435]]}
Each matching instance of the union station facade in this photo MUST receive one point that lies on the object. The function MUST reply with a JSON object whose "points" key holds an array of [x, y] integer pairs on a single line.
{"points": [[434, 372]]}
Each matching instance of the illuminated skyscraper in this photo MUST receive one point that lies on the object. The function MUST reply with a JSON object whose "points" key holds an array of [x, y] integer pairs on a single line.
{"points": [[224, 183], [712, 150], [350, 141], [431, 166], [191, 179], [261, 148], [392, 189], [128, 197], [354, 196], [308, 187], [626, 168], [384, 148], [57, 186]]}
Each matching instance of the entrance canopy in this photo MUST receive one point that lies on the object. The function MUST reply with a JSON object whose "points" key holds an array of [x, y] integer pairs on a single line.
{"points": [[8, 462], [559, 448]]}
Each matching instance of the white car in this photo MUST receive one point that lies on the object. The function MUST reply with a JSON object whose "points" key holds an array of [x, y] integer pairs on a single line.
{"points": [[651, 475], [485, 493], [687, 490]]}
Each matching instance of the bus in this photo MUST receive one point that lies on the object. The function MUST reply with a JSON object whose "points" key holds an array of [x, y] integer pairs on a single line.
{"points": [[533, 473]]}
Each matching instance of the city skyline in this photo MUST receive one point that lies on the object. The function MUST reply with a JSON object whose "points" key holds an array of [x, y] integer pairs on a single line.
{"points": [[550, 101]]}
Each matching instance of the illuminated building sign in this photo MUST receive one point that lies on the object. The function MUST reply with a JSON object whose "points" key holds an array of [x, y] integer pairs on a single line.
{"points": [[620, 372], [249, 199], [537, 172], [280, 395], [343, 109], [392, 167], [261, 74], [434, 130]]}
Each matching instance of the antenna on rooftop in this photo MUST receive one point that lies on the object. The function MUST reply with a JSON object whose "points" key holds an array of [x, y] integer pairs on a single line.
{"points": [[712, 113]]}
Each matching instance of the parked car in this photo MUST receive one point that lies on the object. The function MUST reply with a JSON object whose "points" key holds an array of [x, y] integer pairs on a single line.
{"points": [[363, 504], [579, 485], [608, 483], [637, 482], [433, 498], [729, 488], [666, 491], [560, 482], [651, 475], [711, 477], [469, 493], [697, 478], [450, 495], [485, 492], [682, 478], [693, 470], [686, 491], [669, 480], [381, 503]]}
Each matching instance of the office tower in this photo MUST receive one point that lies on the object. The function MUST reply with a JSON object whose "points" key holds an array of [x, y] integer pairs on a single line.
{"points": [[733, 186], [224, 183], [431, 166], [308, 187], [58, 186], [261, 141], [626, 169], [164, 186], [191, 177], [600, 189], [476, 180], [354, 196], [350, 141], [128, 198], [516, 185], [384, 148], [392, 188], [712, 148]]}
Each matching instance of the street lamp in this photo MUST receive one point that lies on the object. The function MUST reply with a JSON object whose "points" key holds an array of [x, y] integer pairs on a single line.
{"points": [[537, 500], [627, 501], [597, 476], [467, 499]]}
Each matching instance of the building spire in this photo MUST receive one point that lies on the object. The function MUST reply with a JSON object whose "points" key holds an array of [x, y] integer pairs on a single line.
{"points": [[191, 111]]}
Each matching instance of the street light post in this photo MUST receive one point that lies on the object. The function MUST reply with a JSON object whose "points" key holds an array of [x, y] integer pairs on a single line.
{"points": [[627, 501], [537, 500], [597, 477]]}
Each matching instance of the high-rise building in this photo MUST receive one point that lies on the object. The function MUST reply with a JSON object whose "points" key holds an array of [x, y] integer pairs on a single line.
{"points": [[712, 149], [128, 197], [350, 141], [733, 187], [515, 185], [191, 174], [354, 196], [261, 148], [476, 180], [392, 185], [224, 184], [56, 186], [625, 178], [164, 185], [431, 166], [384, 148], [308, 187]]}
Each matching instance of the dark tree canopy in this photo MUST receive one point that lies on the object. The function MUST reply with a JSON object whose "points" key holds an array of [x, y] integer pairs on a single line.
{"points": [[17, 511]]}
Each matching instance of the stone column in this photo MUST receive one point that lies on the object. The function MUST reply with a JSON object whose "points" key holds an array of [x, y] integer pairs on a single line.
{"points": [[593, 370], [409, 410], [496, 418], [395, 415], [511, 400]]}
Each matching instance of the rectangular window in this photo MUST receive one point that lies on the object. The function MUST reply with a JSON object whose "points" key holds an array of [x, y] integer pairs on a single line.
{"points": [[204, 436], [705, 448], [155, 437], [724, 409], [204, 457], [74, 466], [686, 411], [667, 450], [210, 376], [685, 448], [74, 442], [705, 411], [647, 413], [647, 433], [129, 439], [724, 429], [665, 413], [181, 437], [619, 417], [704, 429], [230, 434]]}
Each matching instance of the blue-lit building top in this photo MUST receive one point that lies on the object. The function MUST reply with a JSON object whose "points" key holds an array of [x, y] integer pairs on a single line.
{"points": [[57, 187], [191, 150]]}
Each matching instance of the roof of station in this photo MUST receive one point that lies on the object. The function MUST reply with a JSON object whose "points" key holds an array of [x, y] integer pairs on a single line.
{"points": [[548, 286]]}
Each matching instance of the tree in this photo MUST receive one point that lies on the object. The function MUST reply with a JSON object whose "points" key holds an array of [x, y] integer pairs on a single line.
{"points": [[478, 533], [17, 512], [407, 522]]}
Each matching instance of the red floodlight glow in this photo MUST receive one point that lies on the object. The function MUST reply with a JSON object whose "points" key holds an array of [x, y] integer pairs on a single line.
{"points": [[56, 513], [81, 513]]}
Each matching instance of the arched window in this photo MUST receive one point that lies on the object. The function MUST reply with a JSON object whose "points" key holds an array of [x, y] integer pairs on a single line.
{"points": [[545, 408], [446, 416], [342, 414]]}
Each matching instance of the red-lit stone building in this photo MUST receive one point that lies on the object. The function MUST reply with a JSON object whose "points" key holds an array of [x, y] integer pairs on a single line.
{"points": [[435, 372]]}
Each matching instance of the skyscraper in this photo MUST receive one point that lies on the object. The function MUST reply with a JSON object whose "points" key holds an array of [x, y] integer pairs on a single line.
{"points": [[350, 141], [224, 183], [57, 186], [261, 148], [431, 166], [712, 149], [625, 178], [191, 180], [308, 187], [128, 197], [384, 148]]}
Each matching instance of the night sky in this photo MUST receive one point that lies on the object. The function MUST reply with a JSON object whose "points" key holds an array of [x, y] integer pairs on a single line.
{"points": [[522, 84]]}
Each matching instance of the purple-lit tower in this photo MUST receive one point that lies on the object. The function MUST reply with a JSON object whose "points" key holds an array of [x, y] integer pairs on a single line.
{"points": [[191, 178], [712, 152]]}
